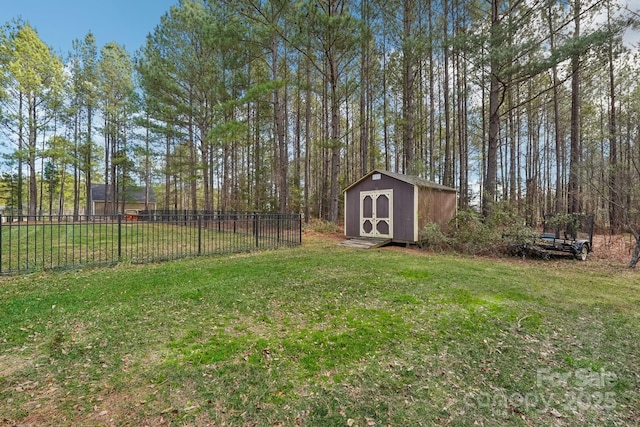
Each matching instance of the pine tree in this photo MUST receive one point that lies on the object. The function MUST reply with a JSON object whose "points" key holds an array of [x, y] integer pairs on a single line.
{"points": [[39, 79]]}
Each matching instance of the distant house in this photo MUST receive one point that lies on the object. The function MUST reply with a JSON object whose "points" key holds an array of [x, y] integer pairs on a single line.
{"points": [[394, 206], [135, 198]]}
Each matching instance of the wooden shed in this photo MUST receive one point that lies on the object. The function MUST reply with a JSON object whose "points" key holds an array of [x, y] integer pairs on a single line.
{"points": [[394, 206]]}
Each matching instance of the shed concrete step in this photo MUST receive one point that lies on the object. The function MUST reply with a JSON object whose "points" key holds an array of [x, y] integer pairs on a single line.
{"points": [[365, 242]]}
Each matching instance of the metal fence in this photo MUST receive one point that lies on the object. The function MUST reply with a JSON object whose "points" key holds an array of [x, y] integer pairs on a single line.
{"points": [[32, 243]]}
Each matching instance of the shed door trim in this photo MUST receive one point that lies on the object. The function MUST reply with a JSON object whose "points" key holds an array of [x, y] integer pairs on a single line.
{"points": [[376, 213]]}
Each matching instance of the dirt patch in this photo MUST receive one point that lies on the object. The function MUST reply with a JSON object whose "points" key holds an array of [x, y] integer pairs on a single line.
{"points": [[111, 408], [615, 249], [10, 364], [39, 400], [318, 235], [45, 408]]}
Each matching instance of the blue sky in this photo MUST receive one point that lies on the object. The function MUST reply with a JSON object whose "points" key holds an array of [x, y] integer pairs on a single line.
{"points": [[59, 22], [126, 22]]}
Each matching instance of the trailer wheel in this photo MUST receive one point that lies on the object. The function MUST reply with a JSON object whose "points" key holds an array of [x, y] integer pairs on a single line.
{"points": [[582, 255]]}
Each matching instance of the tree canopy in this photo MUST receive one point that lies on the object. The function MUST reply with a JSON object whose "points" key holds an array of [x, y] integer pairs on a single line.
{"points": [[276, 105]]}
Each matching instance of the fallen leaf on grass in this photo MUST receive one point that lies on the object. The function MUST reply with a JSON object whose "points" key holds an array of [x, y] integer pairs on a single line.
{"points": [[555, 413]]}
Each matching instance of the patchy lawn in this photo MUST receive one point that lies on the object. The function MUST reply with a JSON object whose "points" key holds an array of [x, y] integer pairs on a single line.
{"points": [[323, 335]]}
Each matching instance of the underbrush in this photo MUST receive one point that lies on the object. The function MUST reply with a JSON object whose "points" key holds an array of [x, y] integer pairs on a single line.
{"points": [[469, 233], [321, 226]]}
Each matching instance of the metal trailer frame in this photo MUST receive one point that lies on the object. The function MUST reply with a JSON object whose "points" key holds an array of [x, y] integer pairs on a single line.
{"points": [[562, 234]]}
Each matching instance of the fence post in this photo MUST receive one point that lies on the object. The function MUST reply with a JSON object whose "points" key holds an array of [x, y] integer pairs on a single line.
{"points": [[300, 229], [256, 227], [199, 234], [119, 237], [279, 219]]}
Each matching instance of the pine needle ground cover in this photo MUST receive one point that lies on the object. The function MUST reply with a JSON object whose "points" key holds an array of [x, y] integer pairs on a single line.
{"points": [[322, 335]]}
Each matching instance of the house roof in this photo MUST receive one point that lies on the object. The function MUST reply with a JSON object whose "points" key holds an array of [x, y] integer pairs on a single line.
{"points": [[409, 179], [132, 194]]}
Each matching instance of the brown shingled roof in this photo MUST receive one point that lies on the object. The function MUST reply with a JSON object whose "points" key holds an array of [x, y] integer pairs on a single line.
{"points": [[409, 179]]}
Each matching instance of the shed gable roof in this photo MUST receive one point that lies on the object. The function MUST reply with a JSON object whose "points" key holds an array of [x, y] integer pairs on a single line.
{"points": [[409, 179]]}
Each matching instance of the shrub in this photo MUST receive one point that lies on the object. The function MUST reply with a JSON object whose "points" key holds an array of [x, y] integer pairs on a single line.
{"points": [[511, 225], [432, 237], [321, 226], [471, 234]]}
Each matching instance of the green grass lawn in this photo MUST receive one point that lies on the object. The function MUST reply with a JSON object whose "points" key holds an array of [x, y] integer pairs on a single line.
{"points": [[45, 245], [322, 335]]}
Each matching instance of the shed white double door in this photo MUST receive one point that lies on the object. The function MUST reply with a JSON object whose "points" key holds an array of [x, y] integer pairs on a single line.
{"points": [[376, 213]]}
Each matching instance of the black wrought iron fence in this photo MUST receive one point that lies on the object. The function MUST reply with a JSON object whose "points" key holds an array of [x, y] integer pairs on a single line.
{"points": [[31, 243]]}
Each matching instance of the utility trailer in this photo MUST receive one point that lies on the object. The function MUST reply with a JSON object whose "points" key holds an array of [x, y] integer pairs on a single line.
{"points": [[562, 234]]}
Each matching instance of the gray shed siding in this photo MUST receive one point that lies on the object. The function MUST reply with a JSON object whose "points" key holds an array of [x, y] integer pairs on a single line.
{"points": [[403, 206], [416, 202]]}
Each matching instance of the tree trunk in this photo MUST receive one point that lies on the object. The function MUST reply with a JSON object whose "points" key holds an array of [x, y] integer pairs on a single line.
{"points": [[635, 256], [205, 152], [408, 89], [385, 107], [193, 165], [575, 203], [448, 175], [167, 172], [33, 182], [334, 81], [513, 184], [463, 136], [107, 151], [614, 199], [61, 194], [559, 196], [281, 154], [432, 101], [494, 121], [77, 152], [335, 143], [364, 88], [88, 163], [307, 142]]}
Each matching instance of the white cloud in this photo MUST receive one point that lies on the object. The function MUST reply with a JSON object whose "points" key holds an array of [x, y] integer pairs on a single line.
{"points": [[621, 8], [632, 37]]}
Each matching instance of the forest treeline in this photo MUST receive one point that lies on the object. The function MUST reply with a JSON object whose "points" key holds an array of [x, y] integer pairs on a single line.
{"points": [[279, 105]]}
